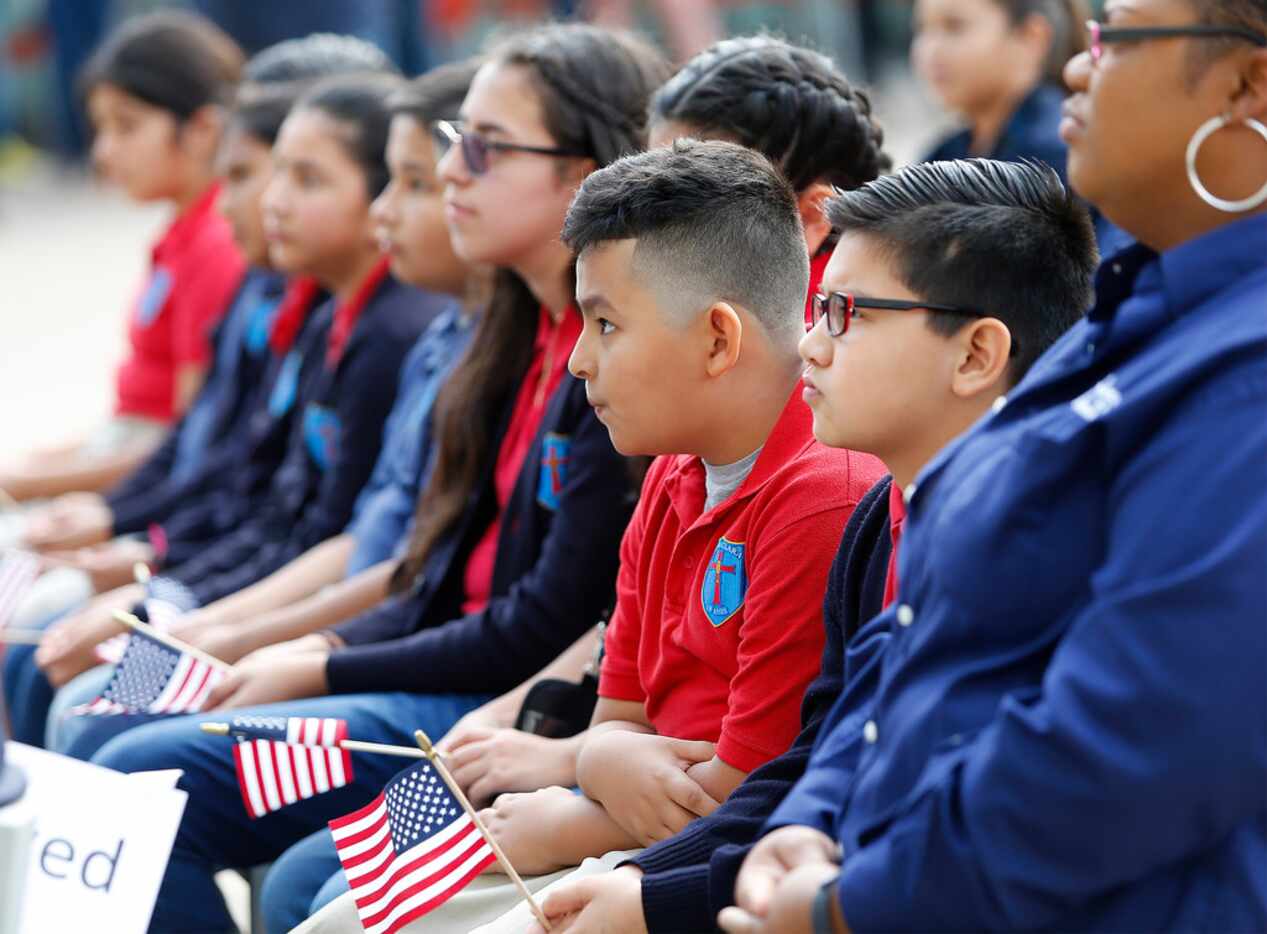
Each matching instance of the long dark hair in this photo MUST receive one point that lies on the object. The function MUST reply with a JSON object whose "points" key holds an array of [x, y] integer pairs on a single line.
{"points": [[1068, 37], [788, 103], [594, 85]]}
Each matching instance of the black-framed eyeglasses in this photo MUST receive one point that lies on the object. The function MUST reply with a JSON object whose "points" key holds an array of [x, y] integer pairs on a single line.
{"points": [[1099, 35], [476, 147], [838, 308]]}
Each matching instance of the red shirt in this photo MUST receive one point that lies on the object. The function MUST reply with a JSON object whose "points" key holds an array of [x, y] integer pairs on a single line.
{"points": [[195, 270], [897, 518], [718, 626], [551, 350]]}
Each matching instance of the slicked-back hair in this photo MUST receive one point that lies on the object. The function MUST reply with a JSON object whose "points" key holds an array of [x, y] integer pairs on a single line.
{"points": [[1006, 238], [438, 94], [712, 220], [789, 103], [1246, 14]]}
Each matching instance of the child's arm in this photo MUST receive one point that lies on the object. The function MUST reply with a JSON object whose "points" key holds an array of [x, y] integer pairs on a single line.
{"points": [[321, 610], [641, 778], [43, 478], [487, 757], [319, 566]]}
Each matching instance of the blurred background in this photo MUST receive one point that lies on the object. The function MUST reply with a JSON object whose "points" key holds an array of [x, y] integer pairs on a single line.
{"points": [[71, 251]]}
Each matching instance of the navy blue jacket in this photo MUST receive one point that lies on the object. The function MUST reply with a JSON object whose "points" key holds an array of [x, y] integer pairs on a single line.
{"points": [[213, 436], [690, 877], [1032, 132], [1066, 721], [333, 443], [554, 574]]}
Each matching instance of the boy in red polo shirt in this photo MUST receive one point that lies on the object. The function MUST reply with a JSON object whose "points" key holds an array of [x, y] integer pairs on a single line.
{"points": [[691, 277]]}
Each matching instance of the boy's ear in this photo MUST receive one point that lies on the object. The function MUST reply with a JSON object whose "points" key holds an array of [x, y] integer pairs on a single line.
{"points": [[813, 218], [985, 354], [724, 332]]}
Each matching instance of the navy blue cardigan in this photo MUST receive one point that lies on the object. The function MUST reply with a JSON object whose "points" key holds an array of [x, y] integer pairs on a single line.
{"points": [[152, 493], [690, 877], [311, 494], [555, 571]]}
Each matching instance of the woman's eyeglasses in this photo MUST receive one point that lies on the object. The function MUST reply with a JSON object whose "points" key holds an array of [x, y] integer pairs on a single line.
{"points": [[476, 147], [838, 308], [1099, 35]]}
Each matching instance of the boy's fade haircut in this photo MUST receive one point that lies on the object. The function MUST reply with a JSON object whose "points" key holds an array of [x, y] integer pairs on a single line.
{"points": [[438, 94], [1004, 237], [713, 221]]}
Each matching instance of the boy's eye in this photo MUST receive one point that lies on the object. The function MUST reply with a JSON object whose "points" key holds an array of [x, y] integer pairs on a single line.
{"points": [[605, 326]]}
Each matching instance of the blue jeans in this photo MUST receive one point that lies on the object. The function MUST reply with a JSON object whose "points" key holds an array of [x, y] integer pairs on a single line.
{"points": [[304, 880], [216, 833], [64, 729]]}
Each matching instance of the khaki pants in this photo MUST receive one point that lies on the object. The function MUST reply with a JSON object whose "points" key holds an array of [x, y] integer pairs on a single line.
{"points": [[489, 905]]}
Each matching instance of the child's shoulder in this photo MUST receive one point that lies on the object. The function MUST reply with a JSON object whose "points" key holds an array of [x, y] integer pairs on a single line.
{"points": [[820, 478]]}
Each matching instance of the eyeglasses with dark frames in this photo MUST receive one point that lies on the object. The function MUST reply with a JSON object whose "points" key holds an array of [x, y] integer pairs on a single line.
{"points": [[1100, 35], [476, 147], [838, 308]]}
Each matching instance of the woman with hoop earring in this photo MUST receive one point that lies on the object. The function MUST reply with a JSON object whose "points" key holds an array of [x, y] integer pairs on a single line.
{"points": [[1082, 572]]}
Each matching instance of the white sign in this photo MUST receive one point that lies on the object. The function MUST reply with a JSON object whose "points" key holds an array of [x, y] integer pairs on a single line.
{"points": [[101, 843]]}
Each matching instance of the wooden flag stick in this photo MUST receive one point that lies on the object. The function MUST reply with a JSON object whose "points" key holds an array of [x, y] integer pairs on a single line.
{"points": [[21, 636], [141, 572], [424, 743], [171, 642], [352, 745]]}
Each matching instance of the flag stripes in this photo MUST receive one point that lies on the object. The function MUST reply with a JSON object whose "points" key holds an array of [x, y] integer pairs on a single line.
{"points": [[152, 677], [408, 851], [18, 572], [273, 773]]}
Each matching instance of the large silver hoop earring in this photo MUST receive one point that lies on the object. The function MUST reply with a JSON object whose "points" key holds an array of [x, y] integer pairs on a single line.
{"points": [[1204, 132]]}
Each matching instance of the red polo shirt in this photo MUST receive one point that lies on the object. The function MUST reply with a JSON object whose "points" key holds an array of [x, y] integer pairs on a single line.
{"points": [[550, 352], [718, 626], [897, 518], [196, 269]]}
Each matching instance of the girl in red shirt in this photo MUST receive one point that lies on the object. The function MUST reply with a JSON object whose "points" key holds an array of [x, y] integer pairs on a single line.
{"points": [[154, 92]]}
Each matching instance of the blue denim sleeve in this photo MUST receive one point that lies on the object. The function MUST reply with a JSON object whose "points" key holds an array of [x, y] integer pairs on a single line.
{"points": [[1147, 743]]}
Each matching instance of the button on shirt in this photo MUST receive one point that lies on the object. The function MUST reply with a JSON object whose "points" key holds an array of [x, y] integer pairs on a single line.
{"points": [[1073, 735]]}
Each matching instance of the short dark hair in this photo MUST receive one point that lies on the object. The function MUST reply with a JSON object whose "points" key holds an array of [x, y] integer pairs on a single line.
{"points": [[1244, 14], [170, 59], [1005, 237], [791, 104], [278, 76], [359, 103], [713, 221], [438, 94]]}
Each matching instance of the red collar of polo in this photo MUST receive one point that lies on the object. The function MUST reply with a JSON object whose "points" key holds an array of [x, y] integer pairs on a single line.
{"points": [[301, 295], [347, 314], [188, 223]]}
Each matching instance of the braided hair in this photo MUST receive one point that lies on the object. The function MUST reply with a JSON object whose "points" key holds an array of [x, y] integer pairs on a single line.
{"points": [[789, 103]]}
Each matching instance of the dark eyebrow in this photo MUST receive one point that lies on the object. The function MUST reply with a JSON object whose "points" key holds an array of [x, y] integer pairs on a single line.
{"points": [[591, 304]]}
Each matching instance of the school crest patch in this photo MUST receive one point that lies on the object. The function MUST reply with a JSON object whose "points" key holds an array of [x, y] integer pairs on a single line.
{"points": [[321, 435], [154, 297], [725, 582], [555, 455]]}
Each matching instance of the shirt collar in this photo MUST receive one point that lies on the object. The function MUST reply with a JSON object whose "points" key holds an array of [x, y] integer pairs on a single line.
{"points": [[1194, 271], [188, 223], [346, 314]]}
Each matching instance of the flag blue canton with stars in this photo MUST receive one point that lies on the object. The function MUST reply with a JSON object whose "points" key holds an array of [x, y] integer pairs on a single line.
{"points": [[419, 804]]}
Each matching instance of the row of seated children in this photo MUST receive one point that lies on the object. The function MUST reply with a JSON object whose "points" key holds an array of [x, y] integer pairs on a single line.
{"points": [[692, 266]]}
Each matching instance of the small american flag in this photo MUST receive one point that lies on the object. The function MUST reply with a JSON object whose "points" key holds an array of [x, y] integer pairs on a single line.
{"points": [[281, 760], [409, 850], [18, 571], [153, 677], [162, 616]]}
